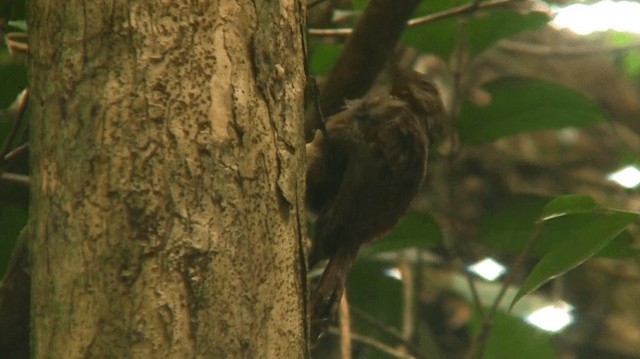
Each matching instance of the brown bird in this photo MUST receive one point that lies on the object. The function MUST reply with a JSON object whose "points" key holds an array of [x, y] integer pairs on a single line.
{"points": [[363, 171]]}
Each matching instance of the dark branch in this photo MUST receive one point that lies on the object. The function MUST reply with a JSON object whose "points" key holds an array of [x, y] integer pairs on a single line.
{"points": [[364, 55], [453, 12]]}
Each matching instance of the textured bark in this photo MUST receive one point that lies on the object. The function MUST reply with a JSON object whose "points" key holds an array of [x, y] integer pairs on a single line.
{"points": [[167, 156]]}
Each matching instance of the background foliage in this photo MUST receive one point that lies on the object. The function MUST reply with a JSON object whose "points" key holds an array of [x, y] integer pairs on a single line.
{"points": [[14, 199], [535, 137]]}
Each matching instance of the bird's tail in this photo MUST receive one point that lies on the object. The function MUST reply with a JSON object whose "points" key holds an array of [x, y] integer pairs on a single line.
{"points": [[328, 291]]}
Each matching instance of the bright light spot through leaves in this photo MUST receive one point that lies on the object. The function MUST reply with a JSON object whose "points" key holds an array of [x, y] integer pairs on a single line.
{"points": [[393, 273], [552, 318], [488, 269], [605, 15], [628, 177]]}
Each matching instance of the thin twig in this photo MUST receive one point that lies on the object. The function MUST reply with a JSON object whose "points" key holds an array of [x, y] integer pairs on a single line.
{"points": [[374, 322], [316, 102], [363, 56], [475, 295], [456, 11], [458, 68], [408, 295], [460, 56], [21, 105], [460, 10], [16, 151], [374, 344], [345, 328], [545, 50], [479, 340], [338, 32], [389, 331], [17, 44], [13, 177]]}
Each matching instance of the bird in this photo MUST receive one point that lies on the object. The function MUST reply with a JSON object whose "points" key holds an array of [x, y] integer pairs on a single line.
{"points": [[363, 170]]}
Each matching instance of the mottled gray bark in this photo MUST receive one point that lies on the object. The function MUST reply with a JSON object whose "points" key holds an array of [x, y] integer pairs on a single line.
{"points": [[168, 166]]}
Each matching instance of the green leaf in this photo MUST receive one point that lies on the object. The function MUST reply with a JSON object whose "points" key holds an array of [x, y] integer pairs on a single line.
{"points": [[359, 4], [509, 226], [620, 247], [620, 38], [568, 204], [13, 79], [511, 337], [414, 230], [559, 230], [436, 37], [631, 63], [587, 240], [521, 105], [483, 30]]}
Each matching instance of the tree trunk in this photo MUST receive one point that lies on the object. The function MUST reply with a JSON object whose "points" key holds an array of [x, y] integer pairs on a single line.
{"points": [[167, 156]]}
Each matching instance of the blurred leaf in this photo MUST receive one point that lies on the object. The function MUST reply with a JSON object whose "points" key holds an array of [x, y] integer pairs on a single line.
{"points": [[509, 227], [616, 38], [486, 29], [436, 37], [511, 337], [18, 11], [323, 57], [414, 230], [13, 217], [585, 240], [359, 4], [521, 105], [5, 60], [13, 79], [631, 63]]}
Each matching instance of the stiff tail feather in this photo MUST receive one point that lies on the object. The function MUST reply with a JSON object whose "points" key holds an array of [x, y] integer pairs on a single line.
{"points": [[328, 291]]}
